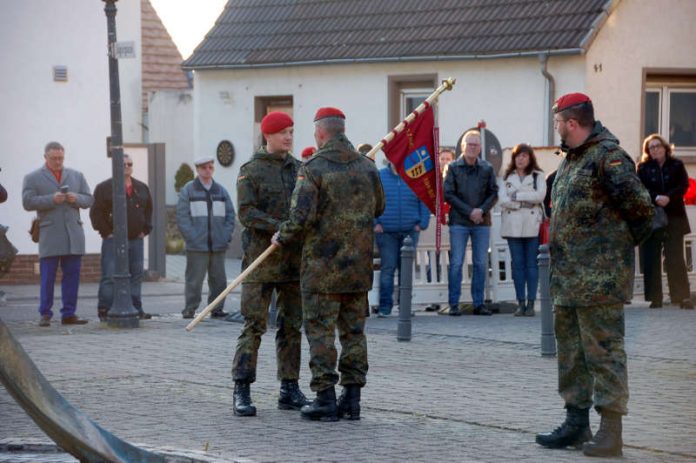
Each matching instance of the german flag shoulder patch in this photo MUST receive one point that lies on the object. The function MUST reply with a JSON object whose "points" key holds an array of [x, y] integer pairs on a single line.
{"points": [[615, 162]]}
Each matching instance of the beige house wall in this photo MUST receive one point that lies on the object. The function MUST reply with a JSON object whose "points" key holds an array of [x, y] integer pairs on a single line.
{"points": [[639, 35]]}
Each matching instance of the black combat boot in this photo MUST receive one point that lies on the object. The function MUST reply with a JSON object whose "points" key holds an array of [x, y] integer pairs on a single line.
{"points": [[349, 402], [607, 442], [323, 408], [573, 432], [291, 397], [242, 400], [529, 311], [520, 308]]}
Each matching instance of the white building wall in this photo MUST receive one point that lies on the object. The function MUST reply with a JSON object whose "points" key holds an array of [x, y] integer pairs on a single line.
{"points": [[36, 35], [171, 122], [639, 34], [508, 93]]}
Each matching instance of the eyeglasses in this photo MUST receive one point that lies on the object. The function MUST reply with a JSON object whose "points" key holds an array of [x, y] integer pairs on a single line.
{"points": [[128, 164], [556, 122], [654, 147]]}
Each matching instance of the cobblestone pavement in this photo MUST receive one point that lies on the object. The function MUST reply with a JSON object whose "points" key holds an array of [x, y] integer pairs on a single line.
{"points": [[465, 389]]}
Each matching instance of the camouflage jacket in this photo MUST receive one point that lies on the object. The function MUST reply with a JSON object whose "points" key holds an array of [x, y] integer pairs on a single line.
{"points": [[600, 211], [264, 190], [337, 197]]}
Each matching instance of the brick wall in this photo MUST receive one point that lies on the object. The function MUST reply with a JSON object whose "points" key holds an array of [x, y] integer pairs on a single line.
{"points": [[25, 270]]}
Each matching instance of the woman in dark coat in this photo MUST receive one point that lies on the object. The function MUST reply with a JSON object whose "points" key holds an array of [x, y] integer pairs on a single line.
{"points": [[667, 181]]}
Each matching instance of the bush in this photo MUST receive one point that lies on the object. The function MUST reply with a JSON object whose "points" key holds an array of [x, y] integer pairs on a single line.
{"points": [[183, 176]]}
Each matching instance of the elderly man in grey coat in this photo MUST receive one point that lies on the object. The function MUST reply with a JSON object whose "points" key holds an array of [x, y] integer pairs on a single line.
{"points": [[57, 194]]}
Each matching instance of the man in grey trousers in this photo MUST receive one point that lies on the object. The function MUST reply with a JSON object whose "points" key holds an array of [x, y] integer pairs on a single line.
{"points": [[205, 217]]}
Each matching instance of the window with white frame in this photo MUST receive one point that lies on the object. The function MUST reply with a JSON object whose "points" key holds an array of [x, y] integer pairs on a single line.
{"points": [[670, 110], [411, 98]]}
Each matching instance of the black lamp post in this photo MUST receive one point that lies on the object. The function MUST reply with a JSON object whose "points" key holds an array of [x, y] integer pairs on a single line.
{"points": [[122, 314]]}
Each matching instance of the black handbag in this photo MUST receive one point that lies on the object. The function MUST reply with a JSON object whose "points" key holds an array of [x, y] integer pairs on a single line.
{"points": [[660, 218], [7, 251]]}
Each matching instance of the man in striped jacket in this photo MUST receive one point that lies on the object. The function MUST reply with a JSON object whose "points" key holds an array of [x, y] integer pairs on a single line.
{"points": [[205, 217]]}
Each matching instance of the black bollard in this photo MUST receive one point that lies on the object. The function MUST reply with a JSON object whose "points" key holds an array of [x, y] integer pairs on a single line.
{"points": [[548, 338], [403, 331]]}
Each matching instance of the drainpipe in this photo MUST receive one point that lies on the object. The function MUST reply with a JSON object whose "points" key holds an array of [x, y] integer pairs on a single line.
{"points": [[550, 97]]}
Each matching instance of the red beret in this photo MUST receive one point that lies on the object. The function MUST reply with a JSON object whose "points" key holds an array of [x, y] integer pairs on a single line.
{"points": [[307, 152], [275, 121], [328, 112], [569, 100]]}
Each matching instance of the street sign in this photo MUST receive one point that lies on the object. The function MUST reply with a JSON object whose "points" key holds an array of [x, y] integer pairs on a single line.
{"points": [[124, 50]]}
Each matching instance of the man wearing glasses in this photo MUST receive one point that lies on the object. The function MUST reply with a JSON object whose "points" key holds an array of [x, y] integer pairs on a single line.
{"points": [[139, 217], [205, 216], [600, 212]]}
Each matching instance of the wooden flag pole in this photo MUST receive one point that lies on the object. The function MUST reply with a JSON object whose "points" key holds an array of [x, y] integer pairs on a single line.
{"points": [[447, 84], [236, 282]]}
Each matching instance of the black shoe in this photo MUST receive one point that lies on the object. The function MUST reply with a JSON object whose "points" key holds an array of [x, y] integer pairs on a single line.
{"points": [[102, 313], [188, 313], [323, 408], [529, 310], [45, 321], [291, 397], [655, 304], [143, 315], [607, 442], [454, 310], [687, 304], [482, 310], [73, 320], [574, 431], [218, 314], [242, 405], [520, 309], [349, 402]]}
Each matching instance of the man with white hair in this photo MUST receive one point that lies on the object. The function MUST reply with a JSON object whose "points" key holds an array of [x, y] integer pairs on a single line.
{"points": [[205, 217]]}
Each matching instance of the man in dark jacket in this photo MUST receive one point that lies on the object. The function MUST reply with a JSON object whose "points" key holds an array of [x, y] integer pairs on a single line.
{"points": [[337, 197], [264, 189], [471, 190], [205, 217], [404, 215], [600, 211], [139, 216]]}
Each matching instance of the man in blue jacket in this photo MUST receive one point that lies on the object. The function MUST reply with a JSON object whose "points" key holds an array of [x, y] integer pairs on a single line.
{"points": [[404, 215], [205, 216]]}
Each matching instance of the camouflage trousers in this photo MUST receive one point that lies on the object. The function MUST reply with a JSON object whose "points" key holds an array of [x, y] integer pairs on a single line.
{"points": [[591, 357], [323, 313], [256, 298]]}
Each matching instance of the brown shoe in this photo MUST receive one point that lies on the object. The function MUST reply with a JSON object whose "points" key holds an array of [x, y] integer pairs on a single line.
{"points": [[45, 320], [73, 320]]}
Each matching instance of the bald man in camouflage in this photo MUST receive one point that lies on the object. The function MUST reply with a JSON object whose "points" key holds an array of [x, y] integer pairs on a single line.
{"points": [[601, 211], [337, 196]]}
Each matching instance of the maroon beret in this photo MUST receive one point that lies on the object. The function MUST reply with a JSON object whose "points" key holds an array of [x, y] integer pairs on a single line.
{"points": [[569, 100], [275, 121], [307, 152], [328, 112]]}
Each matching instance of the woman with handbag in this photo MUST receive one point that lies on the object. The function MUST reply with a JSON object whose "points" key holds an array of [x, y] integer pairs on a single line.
{"points": [[521, 195], [667, 181]]}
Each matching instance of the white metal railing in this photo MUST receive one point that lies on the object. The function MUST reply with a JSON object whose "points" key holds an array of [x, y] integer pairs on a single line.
{"points": [[430, 280]]}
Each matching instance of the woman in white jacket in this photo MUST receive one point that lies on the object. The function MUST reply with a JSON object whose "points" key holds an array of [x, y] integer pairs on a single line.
{"points": [[520, 197]]}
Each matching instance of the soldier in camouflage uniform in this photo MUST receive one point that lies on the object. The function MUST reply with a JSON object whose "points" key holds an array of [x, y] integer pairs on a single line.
{"points": [[264, 189], [600, 212], [337, 196]]}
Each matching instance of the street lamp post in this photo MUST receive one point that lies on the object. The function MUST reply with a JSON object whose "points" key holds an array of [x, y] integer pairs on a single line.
{"points": [[122, 314]]}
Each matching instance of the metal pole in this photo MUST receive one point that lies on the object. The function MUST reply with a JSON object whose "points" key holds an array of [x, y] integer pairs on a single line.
{"points": [[403, 331], [122, 314], [548, 339]]}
